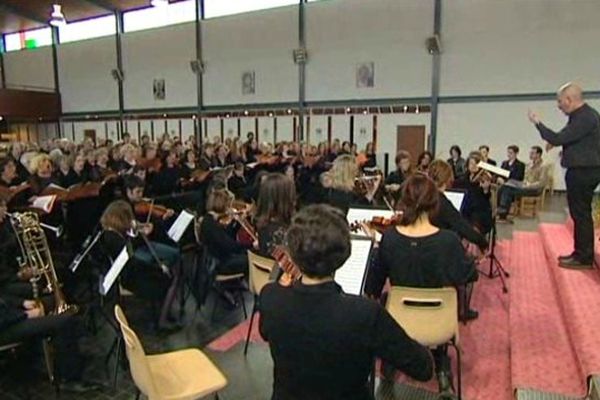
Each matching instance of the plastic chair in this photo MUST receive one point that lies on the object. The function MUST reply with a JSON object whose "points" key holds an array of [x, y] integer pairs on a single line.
{"points": [[429, 316], [179, 375], [259, 269]]}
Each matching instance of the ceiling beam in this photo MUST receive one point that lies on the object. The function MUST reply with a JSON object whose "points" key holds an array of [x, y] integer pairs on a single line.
{"points": [[105, 4], [11, 9]]}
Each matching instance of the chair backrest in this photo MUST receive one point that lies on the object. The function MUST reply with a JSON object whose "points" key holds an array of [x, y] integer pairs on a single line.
{"points": [[259, 269], [138, 364], [429, 316]]}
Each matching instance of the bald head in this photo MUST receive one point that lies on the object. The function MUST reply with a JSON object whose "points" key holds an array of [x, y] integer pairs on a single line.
{"points": [[570, 97]]}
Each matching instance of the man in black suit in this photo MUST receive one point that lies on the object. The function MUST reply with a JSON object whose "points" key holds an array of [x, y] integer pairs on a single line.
{"points": [[580, 140], [517, 173], [323, 341], [484, 149]]}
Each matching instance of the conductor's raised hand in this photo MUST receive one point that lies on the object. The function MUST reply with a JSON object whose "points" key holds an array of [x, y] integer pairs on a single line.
{"points": [[533, 117]]}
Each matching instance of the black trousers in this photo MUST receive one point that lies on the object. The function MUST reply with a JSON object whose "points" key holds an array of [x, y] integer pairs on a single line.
{"points": [[581, 183]]}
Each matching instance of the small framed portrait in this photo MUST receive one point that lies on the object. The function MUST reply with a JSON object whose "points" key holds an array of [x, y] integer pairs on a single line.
{"points": [[158, 89], [248, 82], [365, 75]]}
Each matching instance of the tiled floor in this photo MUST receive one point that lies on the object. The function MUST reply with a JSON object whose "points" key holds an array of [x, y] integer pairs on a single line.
{"points": [[249, 378]]}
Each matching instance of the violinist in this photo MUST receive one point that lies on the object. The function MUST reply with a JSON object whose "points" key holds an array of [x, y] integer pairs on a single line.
{"points": [[275, 207], [343, 174], [219, 230], [419, 254], [237, 183], [477, 208], [403, 170], [134, 190]]}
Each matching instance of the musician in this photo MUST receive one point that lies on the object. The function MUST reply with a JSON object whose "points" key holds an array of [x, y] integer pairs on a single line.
{"points": [[14, 279], [447, 216], [371, 156], [425, 158], [167, 180], [42, 173], [484, 150], [8, 172], [206, 159], [323, 341], [141, 275], [477, 184], [128, 154], [457, 162], [334, 150], [221, 159], [343, 176], [513, 164], [101, 169], [346, 148], [76, 174], [16, 151], [275, 207], [218, 233], [238, 184], [419, 254], [15, 195], [403, 170]]}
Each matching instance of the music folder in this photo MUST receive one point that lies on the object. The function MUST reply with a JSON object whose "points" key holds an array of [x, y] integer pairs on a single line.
{"points": [[180, 225], [494, 169], [353, 274], [456, 197], [108, 280]]}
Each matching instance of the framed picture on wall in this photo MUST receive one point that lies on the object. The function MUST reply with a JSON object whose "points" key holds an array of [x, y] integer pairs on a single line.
{"points": [[248, 82], [365, 75], [158, 89]]}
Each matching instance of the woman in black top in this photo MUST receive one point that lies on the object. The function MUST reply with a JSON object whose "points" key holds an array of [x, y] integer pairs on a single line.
{"points": [[477, 208], [276, 202], [418, 254], [343, 175], [167, 180], [425, 158], [323, 341], [218, 234], [449, 217], [371, 156]]}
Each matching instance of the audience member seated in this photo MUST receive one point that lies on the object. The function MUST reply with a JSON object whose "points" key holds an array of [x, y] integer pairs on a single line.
{"points": [[513, 164], [456, 161], [323, 341], [484, 150]]}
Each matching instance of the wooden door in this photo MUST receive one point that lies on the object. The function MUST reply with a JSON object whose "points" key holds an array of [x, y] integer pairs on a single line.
{"points": [[412, 139], [90, 134]]}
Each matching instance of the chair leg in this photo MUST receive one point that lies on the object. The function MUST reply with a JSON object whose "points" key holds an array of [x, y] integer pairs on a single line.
{"points": [[458, 369], [137, 394], [250, 327], [243, 301], [117, 361]]}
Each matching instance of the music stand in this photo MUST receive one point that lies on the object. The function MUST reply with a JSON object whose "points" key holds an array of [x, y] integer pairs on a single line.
{"points": [[496, 269]]}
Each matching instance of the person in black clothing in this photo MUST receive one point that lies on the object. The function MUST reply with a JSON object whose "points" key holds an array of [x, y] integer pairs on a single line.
{"points": [[447, 216], [371, 156], [403, 170], [418, 254], [276, 203], [167, 180], [477, 208], [323, 341], [128, 155], [206, 161], [343, 176], [425, 158], [218, 234], [237, 183], [580, 141], [484, 150], [513, 164], [457, 162], [16, 150]]}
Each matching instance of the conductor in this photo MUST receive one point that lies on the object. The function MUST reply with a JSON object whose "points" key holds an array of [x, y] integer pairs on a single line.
{"points": [[580, 140]]}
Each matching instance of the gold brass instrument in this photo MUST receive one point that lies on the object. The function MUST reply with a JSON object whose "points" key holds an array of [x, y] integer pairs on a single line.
{"points": [[37, 257]]}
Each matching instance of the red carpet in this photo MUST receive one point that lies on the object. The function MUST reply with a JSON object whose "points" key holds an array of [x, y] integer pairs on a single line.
{"points": [[579, 298], [542, 356], [237, 335]]}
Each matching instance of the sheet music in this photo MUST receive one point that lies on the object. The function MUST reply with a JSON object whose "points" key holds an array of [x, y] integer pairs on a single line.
{"points": [[515, 184], [114, 271], [351, 275], [494, 170], [180, 225], [44, 203], [456, 198], [367, 214]]}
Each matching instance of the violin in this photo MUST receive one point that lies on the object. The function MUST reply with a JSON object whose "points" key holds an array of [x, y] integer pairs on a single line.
{"points": [[149, 209], [377, 223], [150, 164], [291, 272]]}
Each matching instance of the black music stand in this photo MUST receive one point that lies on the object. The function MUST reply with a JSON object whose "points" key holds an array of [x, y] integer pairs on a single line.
{"points": [[496, 269]]}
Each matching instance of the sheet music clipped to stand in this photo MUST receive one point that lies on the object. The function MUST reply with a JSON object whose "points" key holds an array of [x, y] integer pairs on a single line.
{"points": [[115, 270], [180, 225], [352, 275]]}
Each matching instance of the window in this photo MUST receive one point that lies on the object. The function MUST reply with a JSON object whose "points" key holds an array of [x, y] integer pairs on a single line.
{"points": [[87, 29], [28, 39], [218, 8], [153, 17]]}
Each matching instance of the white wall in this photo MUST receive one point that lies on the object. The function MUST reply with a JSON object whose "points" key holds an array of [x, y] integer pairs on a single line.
{"points": [[85, 79], [163, 53], [285, 129], [266, 129], [261, 42], [317, 129], [518, 46], [30, 68], [390, 33]]}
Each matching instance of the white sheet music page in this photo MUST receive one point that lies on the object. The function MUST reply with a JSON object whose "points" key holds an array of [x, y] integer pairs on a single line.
{"points": [[352, 274], [114, 271], [180, 225], [456, 198]]}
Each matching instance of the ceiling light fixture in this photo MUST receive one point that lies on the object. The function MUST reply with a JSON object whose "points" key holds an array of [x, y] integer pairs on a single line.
{"points": [[405, 108], [57, 18], [417, 110]]}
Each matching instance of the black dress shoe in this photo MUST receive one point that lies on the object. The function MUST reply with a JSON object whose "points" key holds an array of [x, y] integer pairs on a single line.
{"points": [[573, 263], [472, 314], [565, 257]]}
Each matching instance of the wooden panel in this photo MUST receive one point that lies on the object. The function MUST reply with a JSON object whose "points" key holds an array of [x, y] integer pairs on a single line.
{"points": [[29, 104], [412, 139]]}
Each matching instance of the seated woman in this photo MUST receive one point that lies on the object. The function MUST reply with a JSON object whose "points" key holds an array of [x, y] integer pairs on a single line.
{"points": [[146, 279], [418, 254], [477, 208], [449, 217], [425, 158], [404, 169], [323, 341], [276, 203], [218, 233], [341, 192]]}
